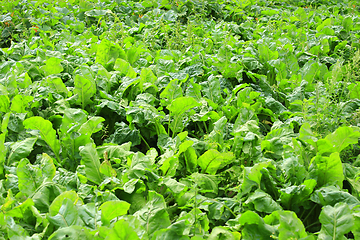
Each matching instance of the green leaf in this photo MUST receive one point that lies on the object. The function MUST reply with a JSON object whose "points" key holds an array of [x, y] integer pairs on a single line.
{"points": [[290, 227], [255, 227], [295, 196], [338, 140], [57, 85], [122, 231], [19, 210], [72, 120], [211, 89], [93, 125], [191, 159], [4, 103], [146, 76], [107, 53], [124, 134], [172, 91], [125, 68], [331, 195], [265, 54], [19, 103], [335, 221], [73, 233], [67, 215], [52, 66], [353, 88], [252, 177], [208, 184], [153, 215], [262, 202], [182, 104], [3, 152], [211, 160], [29, 177], [221, 233], [107, 170], [306, 134], [85, 89], [58, 201], [20, 149], [47, 133], [113, 209], [90, 158], [327, 169], [47, 166]]}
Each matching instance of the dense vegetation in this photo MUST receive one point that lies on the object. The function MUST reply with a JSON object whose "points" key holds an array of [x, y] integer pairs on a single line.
{"points": [[179, 119]]}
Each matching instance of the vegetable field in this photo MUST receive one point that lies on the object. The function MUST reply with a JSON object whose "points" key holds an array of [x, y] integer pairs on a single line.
{"points": [[179, 119]]}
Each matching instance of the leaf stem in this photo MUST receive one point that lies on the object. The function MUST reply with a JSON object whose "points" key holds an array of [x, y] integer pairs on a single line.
{"points": [[147, 145]]}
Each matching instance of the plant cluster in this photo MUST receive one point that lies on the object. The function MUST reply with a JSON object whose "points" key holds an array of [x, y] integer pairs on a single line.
{"points": [[179, 119]]}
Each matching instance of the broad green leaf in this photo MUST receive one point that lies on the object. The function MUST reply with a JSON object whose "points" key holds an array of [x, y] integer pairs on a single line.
{"points": [[348, 23], [172, 91], [93, 125], [338, 140], [211, 160], [295, 196], [307, 135], [73, 233], [353, 88], [47, 133], [107, 53], [45, 195], [327, 170], [190, 159], [58, 201], [252, 177], [30, 177], [265, 54], [290, 227], [115, 151], [47, 166], [335, 221], [254, 227], [52, 66], [220, 233], [57, 85], [4, 103], [125, 68], [133, 54], [211, 89], [124, 134], [96, 13], [146, 76], [90, 158], [169, 166], [107, 170], [154, 215], [90, 215], [19, 103], [66, 216], [207, 184], [113, 209], [356, 229], [19, 210], [85, 89], [331, 195], [72, 120], [122, 231], [262, 202], [20, 149], [182, 104]]}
